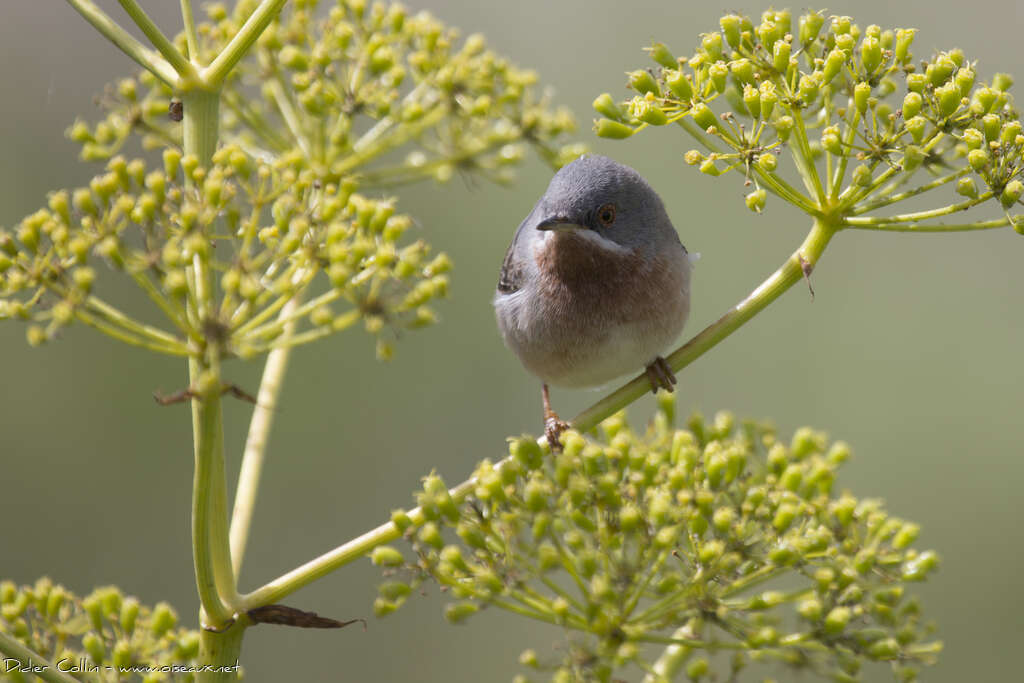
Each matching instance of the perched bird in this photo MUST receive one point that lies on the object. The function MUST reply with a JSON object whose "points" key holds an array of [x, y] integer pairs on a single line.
{"points": [[595, 284]]}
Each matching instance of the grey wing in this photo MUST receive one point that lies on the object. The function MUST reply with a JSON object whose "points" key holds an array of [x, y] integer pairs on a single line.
{"points": [[513, 268]]}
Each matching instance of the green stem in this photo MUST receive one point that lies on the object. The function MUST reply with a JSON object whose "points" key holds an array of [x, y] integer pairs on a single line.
{"points": [[882, 224], [220, 650], [805, 160], [157, 38], [783, 278], [142, 55], [256, 443], [27, 659], [856, 221], [191, 37], [894, 198], [673, 658], [215, 577], [222, 65]]}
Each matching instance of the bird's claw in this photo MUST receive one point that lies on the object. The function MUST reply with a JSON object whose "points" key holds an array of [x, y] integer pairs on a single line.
{"points": [[553, 428], [660, 375]]}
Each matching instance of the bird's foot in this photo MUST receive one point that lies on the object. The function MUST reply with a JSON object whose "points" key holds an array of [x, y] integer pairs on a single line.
{"points": [[660, 375], [553, 428]]}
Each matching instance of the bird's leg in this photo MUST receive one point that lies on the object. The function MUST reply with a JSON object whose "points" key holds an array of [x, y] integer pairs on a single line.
{"points": [[553, 426], [660, 375]]}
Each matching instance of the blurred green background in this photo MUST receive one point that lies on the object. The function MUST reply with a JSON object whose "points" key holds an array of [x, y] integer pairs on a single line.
{"points": [[911, 352]]}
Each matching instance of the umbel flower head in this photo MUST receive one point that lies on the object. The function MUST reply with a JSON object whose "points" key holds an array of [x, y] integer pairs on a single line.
{"points": [[98, 635], [865, 124], [337, 100], [718, 538]]}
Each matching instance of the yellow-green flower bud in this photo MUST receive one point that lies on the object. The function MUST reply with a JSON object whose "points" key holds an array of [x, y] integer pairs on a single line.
{"points": [[643, 82], [964, 80], [755, 201], [808, 88], [966, 187], [606, 128], [862, 176], [870, 54], [1002, 82], [918, 568], [712, 45], [904, 37], [752, 100], [978, 159], [162, 620], [830, 141], [430, 534], [861, 95], [708, 167], [1009, 132], [662, 55], [983, 101], [939, 71], [912, 158], [990, 124], [680, 85], [973, 138], [460, 611], [810, 26], [912, 105], [837, 620], [731, 26], [718, 72], [948, 97], [703, 116], [608, 108], [916, 82], [1011, 193], [650, 113], [783, 127], [781, 51], [386, 556], [742, 70], [697, 669], [172, 163], [833, 63], [767, 162]]}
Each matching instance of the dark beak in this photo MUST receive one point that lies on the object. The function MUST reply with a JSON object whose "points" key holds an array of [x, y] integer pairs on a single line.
{"points": [[558, 223]]}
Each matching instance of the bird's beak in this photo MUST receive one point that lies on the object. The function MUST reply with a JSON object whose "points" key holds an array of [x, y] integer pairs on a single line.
{"points": [[558, 223]]}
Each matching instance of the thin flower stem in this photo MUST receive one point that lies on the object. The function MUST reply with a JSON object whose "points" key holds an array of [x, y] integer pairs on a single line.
{"points": [[101, 307], [781, 280], [146, 58], [1017, 219], [221, 66], [289, 114], [805, 161], [294, 314], [27, 658], [161, 42], [256, 443], [165, 304], [851, 133], [122, 335], [855, 221], [191, 37], [339, 323], [921, 189]]}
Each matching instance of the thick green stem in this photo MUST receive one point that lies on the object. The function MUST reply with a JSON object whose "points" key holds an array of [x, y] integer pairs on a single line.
{"points": [[673, 657], [803, 259], [28, 659], [220, 67], [220, 652], [157, 38]]}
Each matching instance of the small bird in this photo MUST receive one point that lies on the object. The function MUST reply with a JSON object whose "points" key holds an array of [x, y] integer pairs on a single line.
{"points": [[595, 284]]}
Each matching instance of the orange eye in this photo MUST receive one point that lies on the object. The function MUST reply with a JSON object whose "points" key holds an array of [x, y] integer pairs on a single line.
{"points": [[606, 214]]}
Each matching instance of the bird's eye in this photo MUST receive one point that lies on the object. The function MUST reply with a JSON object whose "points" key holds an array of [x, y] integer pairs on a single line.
{"points": [[606, 214]]}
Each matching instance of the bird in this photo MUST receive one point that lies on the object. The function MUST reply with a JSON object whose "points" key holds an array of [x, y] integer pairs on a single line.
{"points": [[595, 284]]}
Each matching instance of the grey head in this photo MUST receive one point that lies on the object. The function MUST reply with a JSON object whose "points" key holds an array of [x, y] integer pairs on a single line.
{"points": [[599, 194]]}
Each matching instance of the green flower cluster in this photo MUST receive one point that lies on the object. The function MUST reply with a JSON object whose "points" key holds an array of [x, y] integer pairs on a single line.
{"points": [[89, 636], [268, 232], [718, 538], [285, 216], [339, 89], [859, 115]]}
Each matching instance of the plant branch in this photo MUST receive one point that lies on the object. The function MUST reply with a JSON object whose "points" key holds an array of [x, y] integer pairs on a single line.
{"points": [[884, 224], [921, 189], [161, 42], [781, 280], [109, 29], [673, 658], [221, 66], [27, 659], [191, 37], [855, 221], [256, 443]]}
